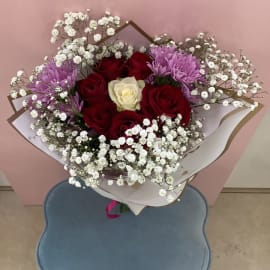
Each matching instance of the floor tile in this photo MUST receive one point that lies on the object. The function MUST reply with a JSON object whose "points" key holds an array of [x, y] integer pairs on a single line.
{"points": [[20, 229], [238, 232]]}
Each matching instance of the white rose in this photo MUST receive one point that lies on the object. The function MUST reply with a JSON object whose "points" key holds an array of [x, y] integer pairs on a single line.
{"points": [[126, 93]]}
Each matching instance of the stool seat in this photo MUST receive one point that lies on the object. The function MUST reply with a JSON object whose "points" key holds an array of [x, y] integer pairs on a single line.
{"points": [[79, 236]]}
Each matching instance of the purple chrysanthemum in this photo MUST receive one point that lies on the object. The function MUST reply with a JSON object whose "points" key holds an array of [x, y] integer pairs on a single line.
{"points": [[160, 56], [72, 107], [52, 78], [183, 68]]}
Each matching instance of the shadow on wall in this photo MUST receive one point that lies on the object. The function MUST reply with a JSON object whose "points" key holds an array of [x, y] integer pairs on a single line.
{"points": [[3, 180]]}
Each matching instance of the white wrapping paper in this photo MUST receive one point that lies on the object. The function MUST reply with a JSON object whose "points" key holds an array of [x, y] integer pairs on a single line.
{"points": [[218, 126]]}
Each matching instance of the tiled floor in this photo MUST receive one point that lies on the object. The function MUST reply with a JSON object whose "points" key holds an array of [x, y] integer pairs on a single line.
{"points": [[20, 228], [238, 230]]}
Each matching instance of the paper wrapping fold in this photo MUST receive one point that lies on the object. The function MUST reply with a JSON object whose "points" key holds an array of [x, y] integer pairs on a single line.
{"points": [[16, 103], [21, 121]]}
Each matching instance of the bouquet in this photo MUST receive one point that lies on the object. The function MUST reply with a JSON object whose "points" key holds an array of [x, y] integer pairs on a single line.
{"points": [[132, 117]]}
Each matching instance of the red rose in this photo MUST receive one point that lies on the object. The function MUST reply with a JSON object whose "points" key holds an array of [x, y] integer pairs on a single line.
{"points": [[122, 121], [93, 89], [111, 68], [165, 99], [137, 66], [99, 116]]}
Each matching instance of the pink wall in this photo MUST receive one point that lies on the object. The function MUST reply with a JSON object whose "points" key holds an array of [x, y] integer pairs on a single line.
{"points": [[25, 28]]}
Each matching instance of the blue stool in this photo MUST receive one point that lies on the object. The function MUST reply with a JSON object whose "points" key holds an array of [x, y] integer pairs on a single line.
{"points": [[79, 236]]}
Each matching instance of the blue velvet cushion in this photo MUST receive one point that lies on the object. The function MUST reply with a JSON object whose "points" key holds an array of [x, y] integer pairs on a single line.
{"points": [[79, 236]]}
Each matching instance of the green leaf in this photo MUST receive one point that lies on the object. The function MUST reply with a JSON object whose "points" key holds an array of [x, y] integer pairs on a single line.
{"points": [[123, 208], [165, 80]]}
